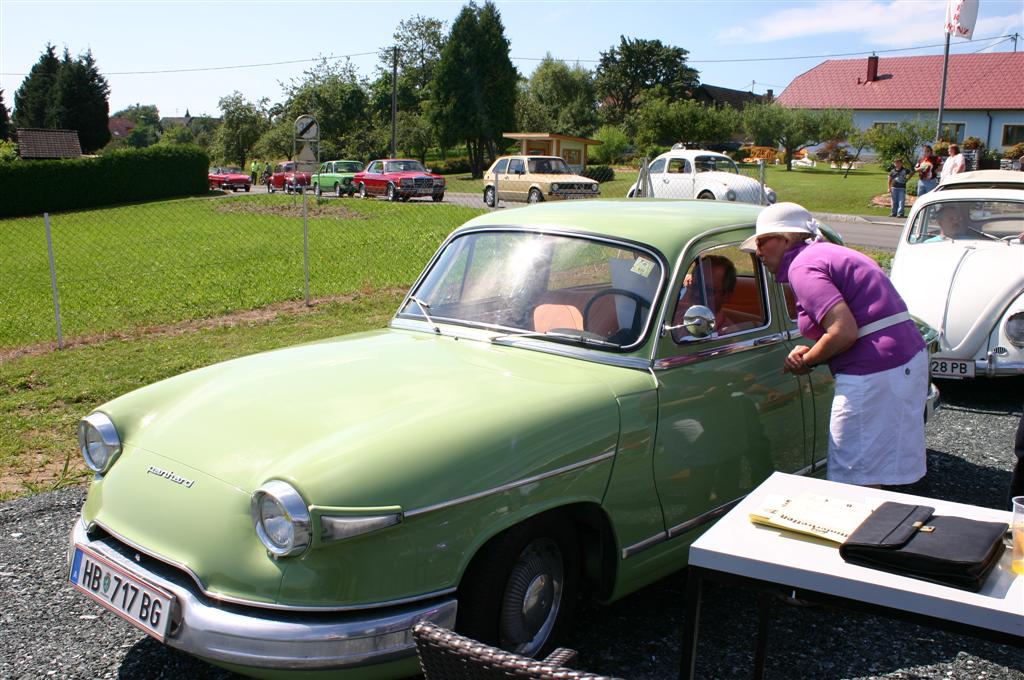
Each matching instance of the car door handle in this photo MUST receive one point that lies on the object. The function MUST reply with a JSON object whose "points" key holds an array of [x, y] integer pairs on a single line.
{"points": [[768, 340]]}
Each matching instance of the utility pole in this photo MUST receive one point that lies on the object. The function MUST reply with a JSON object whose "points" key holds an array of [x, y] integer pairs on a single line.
{"points": [[394, 103], [942, 95]]}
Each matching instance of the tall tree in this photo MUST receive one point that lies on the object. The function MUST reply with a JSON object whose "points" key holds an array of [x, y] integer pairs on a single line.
{"points": [[244, 123], [33, 100], [567, 96], [419, 40], [331, 92], [81, 101], [5, 120], [898, 140], [147, 124], [474, 88], [795, 129], [660, 123], [635, 66]]}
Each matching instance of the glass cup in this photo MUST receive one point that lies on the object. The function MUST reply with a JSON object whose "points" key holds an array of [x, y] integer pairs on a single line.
{"points": [[1018, 535]]}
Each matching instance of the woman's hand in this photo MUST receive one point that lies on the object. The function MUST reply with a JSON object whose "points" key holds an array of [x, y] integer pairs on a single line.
{"points": [[795, 363]]}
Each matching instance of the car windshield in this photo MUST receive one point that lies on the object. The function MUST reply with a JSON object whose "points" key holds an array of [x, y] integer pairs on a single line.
{"points": [[348, 166], [233, 170], [404, 166], [548, 166], [563, 288], [715, 164], [977, 220]]}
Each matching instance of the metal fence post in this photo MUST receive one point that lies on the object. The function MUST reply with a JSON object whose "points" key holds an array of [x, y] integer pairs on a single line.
{"points": [[648, 186], [53, 281], [761, 174], [305, 242], [496, 190]]}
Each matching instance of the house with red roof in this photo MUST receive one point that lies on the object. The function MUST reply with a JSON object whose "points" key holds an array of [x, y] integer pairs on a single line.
{"points": [[984, 93]]}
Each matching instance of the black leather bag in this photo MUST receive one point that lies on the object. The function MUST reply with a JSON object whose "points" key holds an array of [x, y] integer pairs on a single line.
{"points": [[911, 541]]}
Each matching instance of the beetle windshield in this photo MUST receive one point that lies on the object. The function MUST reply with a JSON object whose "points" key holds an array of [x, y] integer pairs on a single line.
{"points": [[404, 166], [565, 288], [548, 166], [975, 220], [715, 164]]}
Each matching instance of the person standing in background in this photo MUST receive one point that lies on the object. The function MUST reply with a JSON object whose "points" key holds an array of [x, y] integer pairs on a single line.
{"points": [[955, 164], [927, 171], [253, 170], [898, 176]]}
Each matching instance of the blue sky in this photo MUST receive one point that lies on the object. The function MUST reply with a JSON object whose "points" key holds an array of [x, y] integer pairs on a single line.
{"points": [[161, 35]]}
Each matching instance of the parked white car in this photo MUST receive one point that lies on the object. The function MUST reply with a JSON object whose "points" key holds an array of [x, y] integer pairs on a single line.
{"points": [[960, 267], [690, 173]]}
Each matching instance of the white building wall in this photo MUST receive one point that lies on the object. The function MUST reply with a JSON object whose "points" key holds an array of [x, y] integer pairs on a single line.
{"points": [[986, 126]]}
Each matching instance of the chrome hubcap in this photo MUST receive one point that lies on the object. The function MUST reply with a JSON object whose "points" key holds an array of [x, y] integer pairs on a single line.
{"points": [[532, 598]]}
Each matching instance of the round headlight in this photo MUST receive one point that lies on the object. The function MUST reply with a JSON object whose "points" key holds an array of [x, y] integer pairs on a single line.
{"points": [[1015, 328], [730, 195], [281, 518], [554, 187], [772, 196], [593, 187], [98, 441]]}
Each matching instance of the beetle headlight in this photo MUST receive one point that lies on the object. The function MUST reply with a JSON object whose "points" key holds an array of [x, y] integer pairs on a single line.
{"points": [[1015, 328], [98, 440], [281, 518], [770, 195], [730, 195]]}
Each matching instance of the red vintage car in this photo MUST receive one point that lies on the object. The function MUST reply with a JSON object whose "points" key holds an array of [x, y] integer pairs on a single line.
{"points": [[229, 177], [287, 178], [399, 179]]}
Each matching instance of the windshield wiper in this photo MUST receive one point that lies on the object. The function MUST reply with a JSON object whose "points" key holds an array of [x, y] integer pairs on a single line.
{"points": [[585, 339], [424, 307]]}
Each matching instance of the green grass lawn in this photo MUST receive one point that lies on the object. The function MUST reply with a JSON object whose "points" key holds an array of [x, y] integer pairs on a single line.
{"points": [[819, 189], [157, 263]]}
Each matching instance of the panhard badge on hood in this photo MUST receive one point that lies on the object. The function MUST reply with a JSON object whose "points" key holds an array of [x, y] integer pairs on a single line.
{"points": [[171, 476]]}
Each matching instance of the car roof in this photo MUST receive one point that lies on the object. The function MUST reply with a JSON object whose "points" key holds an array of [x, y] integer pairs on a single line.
{"points": [[967, 193], [691, 153], [982, 179], [665, 225]]}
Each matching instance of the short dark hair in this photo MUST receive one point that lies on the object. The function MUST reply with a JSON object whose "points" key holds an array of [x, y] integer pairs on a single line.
{"points": [[729, 278], [954, 148]]}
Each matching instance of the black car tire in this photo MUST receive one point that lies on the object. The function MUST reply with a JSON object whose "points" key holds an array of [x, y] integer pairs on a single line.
{"points": [[520, 591], [270, 187], [489, 197], [706, 196], [247, 189], [391, 193], [362, 190], [337, 190], [534, 196], [316, 190], [437, 198]]}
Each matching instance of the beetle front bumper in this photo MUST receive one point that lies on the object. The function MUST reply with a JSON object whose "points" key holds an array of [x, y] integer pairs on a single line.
{"points": [[276, 639]]}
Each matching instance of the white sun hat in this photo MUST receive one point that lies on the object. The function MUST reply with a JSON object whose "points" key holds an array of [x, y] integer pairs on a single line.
{"points": [[782, 218]]}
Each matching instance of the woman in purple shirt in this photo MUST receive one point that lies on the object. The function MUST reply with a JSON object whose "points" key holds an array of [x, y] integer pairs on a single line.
{"points": [[860, 327]]}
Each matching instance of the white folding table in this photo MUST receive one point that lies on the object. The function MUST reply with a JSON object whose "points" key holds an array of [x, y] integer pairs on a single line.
{"points": [[737, 550]]}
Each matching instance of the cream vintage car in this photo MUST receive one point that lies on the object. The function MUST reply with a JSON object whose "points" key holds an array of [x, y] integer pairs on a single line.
{"points": [[534, 179], [960, 267]]}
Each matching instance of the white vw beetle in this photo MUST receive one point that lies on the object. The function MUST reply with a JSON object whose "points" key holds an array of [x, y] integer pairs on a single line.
{"points": [[960, 267], [689, 173]]}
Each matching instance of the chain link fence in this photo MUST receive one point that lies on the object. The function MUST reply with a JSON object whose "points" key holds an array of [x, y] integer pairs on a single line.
{"points": [[108, 272], [690, 174]]}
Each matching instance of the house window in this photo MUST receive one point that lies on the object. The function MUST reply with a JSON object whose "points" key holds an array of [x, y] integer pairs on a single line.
{"points": [[572, 156], [1013, 134], [952, 132]]}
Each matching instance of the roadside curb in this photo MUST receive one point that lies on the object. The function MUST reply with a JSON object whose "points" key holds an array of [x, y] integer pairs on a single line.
{"points": [[828, 218]]}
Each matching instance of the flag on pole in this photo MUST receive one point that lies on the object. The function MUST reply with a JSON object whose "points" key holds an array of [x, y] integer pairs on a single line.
{"points": [[961, 15]]}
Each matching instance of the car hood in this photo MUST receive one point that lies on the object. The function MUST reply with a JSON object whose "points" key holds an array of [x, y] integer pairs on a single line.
{"points": [[231, 175], [960, 290], [410, 175], [380, 418]]}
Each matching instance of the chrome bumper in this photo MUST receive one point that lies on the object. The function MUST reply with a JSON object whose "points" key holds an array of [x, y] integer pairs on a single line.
{"points": [[275, 639], [992, 367]]}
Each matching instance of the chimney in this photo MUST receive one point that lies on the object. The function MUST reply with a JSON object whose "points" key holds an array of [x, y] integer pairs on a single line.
{"points": [[872, 68], [769, 96]]}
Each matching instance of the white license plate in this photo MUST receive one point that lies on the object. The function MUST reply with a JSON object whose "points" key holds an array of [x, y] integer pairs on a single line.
{"points": [[128, 596], [944, 368], [573, 197]]}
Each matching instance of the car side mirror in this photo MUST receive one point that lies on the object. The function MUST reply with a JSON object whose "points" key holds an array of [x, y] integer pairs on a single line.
{"points": [[698, 321], [429, 171]]}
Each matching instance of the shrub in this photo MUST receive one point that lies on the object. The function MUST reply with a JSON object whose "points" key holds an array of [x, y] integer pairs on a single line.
{"points": [[1015, 151], [601, 173], [973, 143], [120, 176], [941, 149], [615, 144], [450, 166]]}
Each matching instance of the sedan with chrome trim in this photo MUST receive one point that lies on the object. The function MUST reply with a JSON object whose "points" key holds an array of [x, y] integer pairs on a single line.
{"points": [[566, 397], [960, 267]]}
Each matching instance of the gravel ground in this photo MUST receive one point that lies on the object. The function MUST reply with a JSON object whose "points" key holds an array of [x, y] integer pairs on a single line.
{"points": [[47, 630]]}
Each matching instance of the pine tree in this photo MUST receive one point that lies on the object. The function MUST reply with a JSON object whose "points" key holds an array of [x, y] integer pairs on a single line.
{"points": [[81, 101], [5, 121], [33, 101]]}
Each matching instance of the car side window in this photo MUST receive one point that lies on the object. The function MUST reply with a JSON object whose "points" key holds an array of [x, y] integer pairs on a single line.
{"points": [[679, 166], [728, 282], [657, 167], [515, 166], [501, 167]]}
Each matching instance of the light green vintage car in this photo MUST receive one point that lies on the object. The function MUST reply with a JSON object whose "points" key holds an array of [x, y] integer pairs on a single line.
{"points": [[336, 176], [567, 397]]}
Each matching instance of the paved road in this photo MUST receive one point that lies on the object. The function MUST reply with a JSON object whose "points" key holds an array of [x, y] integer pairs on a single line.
{"points": [[47, 630]]}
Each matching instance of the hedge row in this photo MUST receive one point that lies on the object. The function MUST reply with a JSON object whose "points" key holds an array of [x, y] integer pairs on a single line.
{"points": [[601, 173], [122, 176]]}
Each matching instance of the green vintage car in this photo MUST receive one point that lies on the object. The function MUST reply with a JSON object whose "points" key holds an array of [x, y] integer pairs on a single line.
{"points": [[336, 176], [568, 396]]}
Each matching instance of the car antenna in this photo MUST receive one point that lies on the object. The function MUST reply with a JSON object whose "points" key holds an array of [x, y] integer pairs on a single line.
{"points": [[424, 307]]}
